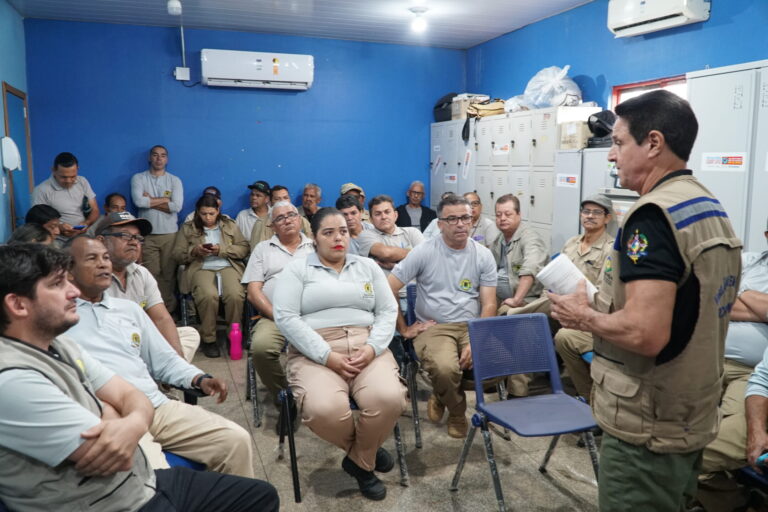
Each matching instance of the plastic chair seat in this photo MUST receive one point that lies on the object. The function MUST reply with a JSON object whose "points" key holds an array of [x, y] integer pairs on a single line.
{"points": [[532, 416]]}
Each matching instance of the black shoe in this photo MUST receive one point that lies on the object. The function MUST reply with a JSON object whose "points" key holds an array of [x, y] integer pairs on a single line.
{"points": [[370, 486], [384, 461], [211, 349]]}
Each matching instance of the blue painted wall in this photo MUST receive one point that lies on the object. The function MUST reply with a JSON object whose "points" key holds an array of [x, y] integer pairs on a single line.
{"points": [[106, 93], [735, 33], [13, 71]]}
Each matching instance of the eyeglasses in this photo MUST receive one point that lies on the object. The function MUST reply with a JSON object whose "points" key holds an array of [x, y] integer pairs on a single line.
{"points": [[127, 237], [464, 219], [475, 203], [416, 193], [283, 218], [596, 213]]}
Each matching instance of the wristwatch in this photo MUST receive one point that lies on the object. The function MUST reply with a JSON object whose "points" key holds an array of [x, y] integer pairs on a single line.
{"points": [[199, 380]]}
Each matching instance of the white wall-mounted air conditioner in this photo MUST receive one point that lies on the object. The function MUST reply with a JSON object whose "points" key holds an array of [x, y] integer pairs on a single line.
{"points": [[228, 68], [634, 17]]}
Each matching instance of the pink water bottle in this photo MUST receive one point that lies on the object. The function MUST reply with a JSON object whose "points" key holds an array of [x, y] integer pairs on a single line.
{"points": [[235, 342]]}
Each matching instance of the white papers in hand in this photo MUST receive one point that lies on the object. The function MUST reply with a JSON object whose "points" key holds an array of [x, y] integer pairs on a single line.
{"points": [[561, 276]]}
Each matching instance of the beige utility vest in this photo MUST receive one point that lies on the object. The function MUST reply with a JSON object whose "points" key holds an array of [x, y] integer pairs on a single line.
{"points": [[672, 407], [30, 485]]}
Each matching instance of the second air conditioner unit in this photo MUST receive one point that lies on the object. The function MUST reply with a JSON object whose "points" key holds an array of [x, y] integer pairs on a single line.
{"points": [[634, 17], [229, 68]]}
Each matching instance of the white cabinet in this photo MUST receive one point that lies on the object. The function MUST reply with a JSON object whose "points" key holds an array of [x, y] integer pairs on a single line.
{"points": [[541, 190], [520, 186], [484, 188], [520, 138]]}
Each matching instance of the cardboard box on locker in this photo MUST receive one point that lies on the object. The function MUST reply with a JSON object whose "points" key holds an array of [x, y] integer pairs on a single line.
{"points": [[574, 135], [462, 101]]}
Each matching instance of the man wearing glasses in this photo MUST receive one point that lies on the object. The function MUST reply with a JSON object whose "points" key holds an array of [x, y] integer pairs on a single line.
{"points": [[412, 213], [456, 282], [520, 254], [123, 235], [265, 264]]}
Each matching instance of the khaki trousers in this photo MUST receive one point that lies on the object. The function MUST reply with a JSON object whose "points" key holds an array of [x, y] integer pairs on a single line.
{"points": [[439, 348], [571, 344], [199, 435], [267, 343], [323, 396], [190, 340], [728, 450], [206, 294], [156, 257]]}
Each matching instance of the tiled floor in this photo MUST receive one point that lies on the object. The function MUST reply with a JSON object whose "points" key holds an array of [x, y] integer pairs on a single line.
{"points": [[569, 484]]}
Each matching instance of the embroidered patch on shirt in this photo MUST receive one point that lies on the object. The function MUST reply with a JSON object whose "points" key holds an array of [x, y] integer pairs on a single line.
{"points": [[135, 340], [636, 246], [167, 193], [368, 289], [608, 267], [80, 365], [143, 304], [465, 285]]}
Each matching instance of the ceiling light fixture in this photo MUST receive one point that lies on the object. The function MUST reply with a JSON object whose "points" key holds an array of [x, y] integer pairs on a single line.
{"points": [[419, 24], [174, 7]]}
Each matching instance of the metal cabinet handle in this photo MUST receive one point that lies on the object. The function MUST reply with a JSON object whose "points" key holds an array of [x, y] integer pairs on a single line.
{"points": [[533, 200], [533, 141]]}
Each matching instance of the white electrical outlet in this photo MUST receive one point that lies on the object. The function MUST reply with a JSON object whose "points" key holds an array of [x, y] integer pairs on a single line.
{"points": [[181, 74]]}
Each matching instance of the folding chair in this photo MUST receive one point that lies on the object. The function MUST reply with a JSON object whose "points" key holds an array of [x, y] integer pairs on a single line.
{"points": [[250, 317], [286, 400], [521, 344], [412, 364]]}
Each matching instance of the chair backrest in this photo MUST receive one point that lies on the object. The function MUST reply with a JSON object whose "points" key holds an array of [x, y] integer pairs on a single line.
{"points": [[508, 345], [410, 298]]}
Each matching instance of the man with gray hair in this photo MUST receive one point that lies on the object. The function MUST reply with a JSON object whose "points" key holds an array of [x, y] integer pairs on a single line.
{"points": [[310, 200], [266, 262], [412, 213]]}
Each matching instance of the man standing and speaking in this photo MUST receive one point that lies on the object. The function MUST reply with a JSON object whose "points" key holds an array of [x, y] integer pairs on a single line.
{"points": [[661, 315]]}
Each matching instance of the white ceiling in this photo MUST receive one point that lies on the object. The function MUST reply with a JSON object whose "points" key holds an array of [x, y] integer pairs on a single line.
{"points": [[456, 24]]}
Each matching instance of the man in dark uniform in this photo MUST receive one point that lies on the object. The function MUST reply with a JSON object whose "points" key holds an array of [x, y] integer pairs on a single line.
{"points": [[662, 313]]}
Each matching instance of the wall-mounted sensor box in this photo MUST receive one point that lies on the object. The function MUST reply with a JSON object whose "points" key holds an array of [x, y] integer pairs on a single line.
{"points": [[181, 74]]}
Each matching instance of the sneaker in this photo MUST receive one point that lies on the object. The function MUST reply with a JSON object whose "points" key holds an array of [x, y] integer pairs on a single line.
{"points": [[370, 486], [211, 349], [435, 409], [384, 461], [458, 426]]}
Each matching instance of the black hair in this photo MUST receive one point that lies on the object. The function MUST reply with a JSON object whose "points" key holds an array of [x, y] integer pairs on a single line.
{"points": [[115, 194], [65, 160], [377, 200], [275, 188], [451, 200], [347, 201], [31, 232], [41, 213], [209, 201], [158, 146], [507, 198], [320, 216], [665, 112], [22, 266]]}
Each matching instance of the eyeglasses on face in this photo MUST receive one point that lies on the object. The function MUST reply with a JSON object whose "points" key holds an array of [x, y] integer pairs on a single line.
{"points": [[452, 220], [127, 237], [283, 218], [596, 213], [474, 203]]}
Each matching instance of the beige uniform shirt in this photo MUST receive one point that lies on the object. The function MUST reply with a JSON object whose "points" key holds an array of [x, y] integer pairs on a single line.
{"points": [[591, 261]]}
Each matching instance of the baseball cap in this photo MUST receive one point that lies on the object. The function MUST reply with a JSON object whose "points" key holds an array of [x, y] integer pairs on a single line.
{"points": [[601, 200], [261, 186], [351, 186], [41, 213], [123, 219], [213, 191]]}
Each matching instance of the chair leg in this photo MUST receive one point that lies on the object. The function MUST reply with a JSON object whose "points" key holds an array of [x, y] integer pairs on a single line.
{"points": [[184, 310], [400, 447], [285, 428], [255, 403], [463, 457], [492, 463], [590, 440], [413, 390], [543, 467]]}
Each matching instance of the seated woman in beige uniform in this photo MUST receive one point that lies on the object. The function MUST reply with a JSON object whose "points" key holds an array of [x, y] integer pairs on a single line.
{"points": [[338, 314], [212, 248]]}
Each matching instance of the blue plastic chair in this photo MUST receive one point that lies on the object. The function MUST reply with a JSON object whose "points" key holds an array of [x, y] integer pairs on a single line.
{"points": [[179, 461], [516, 344]]}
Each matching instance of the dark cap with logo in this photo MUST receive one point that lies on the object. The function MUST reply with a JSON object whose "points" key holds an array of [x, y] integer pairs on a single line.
{"points": [[261, 186]]}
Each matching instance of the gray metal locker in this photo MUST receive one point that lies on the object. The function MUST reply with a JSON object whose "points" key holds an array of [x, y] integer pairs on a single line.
{"points": [[520, 182], [543, 136], [724, 107], [596, 171], [484, 181], [541, 195], [520, 138], [500, 145], [482, 130]]}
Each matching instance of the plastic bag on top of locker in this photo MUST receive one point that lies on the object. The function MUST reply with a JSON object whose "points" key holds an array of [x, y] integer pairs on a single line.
{"points": [[551, 87]]}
